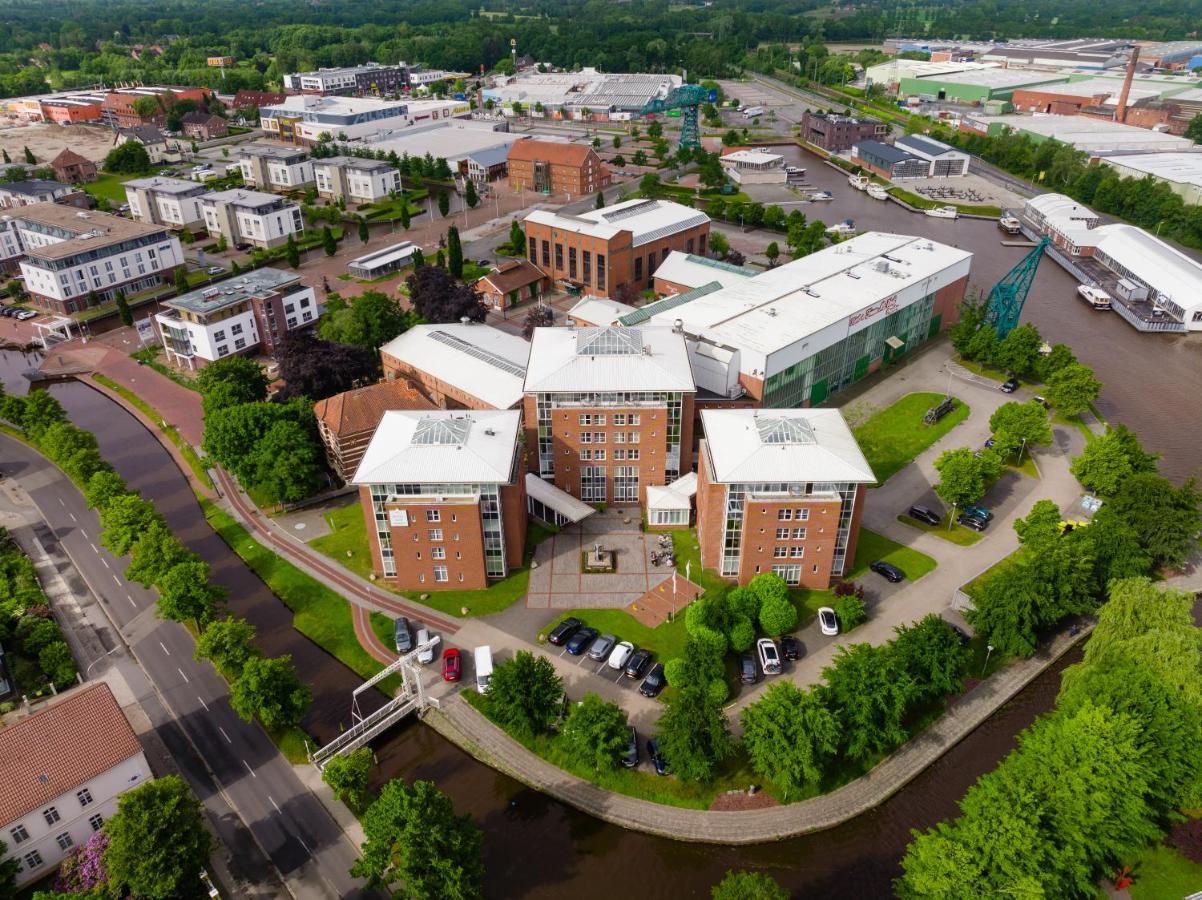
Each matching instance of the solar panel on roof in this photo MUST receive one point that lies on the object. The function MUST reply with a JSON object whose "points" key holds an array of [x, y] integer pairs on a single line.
{"points": [[479, 353]]}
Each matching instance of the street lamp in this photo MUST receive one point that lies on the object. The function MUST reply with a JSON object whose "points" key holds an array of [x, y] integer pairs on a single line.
{"points": [[1020, 452], [88, 670], [988, 651]]}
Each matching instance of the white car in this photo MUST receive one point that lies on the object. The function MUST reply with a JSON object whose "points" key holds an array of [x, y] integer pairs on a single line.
{"points": [[426, 655], [215, 270], [769, 656], [828, 621], [621, 653]]}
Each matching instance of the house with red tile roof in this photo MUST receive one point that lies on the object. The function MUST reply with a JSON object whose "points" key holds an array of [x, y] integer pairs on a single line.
{"points": [[347, 421]]}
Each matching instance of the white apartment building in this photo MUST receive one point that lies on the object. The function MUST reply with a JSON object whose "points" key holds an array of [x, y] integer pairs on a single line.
{"points": [[251, 217], [247, 314], [63, 769], [358, 180], [275, 168], [70, 253], [304, 118], [174, 202]]}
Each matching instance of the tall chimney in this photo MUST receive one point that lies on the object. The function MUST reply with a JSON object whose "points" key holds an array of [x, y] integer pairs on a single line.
{"points": [[1120, 114]]}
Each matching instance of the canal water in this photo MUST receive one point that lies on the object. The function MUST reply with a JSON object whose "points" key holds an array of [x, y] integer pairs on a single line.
{"points": [[1152, 382], [535, 846]]}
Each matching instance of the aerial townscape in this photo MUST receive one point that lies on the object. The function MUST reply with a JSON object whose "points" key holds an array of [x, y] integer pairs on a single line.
{"points": [[526, 449]]}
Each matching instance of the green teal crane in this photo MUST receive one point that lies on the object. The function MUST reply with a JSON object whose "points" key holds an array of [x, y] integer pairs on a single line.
{"points": [[1007, 297], [687, 98]]}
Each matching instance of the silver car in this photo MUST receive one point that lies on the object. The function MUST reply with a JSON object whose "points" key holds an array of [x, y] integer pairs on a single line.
{"points": [[601, 647]]}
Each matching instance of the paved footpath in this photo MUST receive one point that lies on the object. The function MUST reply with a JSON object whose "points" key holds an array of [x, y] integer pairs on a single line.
{"points": [[461, 723]]}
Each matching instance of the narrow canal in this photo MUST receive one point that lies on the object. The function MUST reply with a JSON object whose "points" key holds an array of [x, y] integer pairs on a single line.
{"points": [[535, 846]]}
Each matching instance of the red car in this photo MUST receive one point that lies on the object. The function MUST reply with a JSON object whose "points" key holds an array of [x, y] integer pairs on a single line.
{"points": [[450, 664]]}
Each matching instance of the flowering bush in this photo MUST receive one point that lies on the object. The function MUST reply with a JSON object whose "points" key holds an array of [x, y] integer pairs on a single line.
{"points": [[83, 869]]}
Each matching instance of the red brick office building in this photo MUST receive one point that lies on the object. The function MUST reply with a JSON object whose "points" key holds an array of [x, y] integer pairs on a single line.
{"points": [[444, 497], [609, 411], [602, 250], [780, 491]]}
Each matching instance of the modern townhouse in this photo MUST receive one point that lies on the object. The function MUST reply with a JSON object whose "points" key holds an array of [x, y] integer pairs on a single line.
{"points": [[174, 202], [271, 168], [251, 217], [358, 180]]}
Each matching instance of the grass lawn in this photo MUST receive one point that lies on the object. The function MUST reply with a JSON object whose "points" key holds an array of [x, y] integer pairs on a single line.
{"points": [[896, 435], [384, 628], [734, 774], [151, 355], [1058, 418], [318, 612], [291, 742], [190, 455], [1162, 872], [348, 532], [998, 567], [872, 546], [957, 534], [666, 641], [109, 186]]}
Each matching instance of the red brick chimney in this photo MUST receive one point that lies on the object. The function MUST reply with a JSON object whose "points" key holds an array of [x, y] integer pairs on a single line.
{"points": [[1120, 114]]}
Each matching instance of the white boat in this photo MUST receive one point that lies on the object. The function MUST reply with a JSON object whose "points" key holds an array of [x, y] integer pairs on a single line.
{"points": [[794, 170], [819, 196], [943, 212], [1009, 224], [859, 182], [843, 229], [878, 192], [1094, 296]]}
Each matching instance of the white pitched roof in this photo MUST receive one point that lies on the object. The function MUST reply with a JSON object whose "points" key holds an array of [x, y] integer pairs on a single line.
{"points": [[694, 271], [677, 495], [608, 359], [598, 310], [1164, 267], [478, 359], [647, 220], [559, 500], [762, 446], [442, 447]]}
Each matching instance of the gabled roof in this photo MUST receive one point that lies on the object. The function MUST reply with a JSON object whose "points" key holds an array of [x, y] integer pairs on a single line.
{"points": [[590, 310], [68, 157], [479, 360], [442, 447], [513, 275], [550, 151], [60, 748], [782, 446], [200, 118], [34, 187], [693, 271], [352, 412], [143, 134], [608, 359]]}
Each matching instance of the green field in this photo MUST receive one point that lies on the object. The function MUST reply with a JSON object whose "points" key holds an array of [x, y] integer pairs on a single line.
{"points": [[872, 546], [956, 534], [666, 641], [1161, 872], [893, 437]]}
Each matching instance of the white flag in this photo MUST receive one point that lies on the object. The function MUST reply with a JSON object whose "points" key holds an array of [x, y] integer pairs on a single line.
{"points": [[688, 566]]}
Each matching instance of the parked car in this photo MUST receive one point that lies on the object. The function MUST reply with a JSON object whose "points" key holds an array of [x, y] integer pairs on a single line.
{"points": [[888, 571], [24, 314], [621, 655], [979, 512], [579, 642], [486, 263], [769, 656], [828, 622], [960, 633], [1010, 385], [654, 682], [563, 631], [215, 270], [972, 522], [661, 767], [630, 758], [748, 673], [451, 670], [601, 647], [427, 654], [402, 635], [790, 647], [924, 514], [638, 663], [1042, 401]]}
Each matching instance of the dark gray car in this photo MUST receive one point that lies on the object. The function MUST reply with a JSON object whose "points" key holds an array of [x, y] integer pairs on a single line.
{"points": [[403, 635], [602, 647]]}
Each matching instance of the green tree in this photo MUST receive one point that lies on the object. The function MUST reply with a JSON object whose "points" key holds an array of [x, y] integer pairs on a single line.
{"points": [[965, 475], [124, 521], [271, 690], [1010, 611], [470, 196], [231, 381], [328, 243], [639, 157], [158, 843], [185, 593], [181, 280], [600, 204], [719, 245], [595, 733], [870, 694], [982, 347], [694, 735], [370, 320], [524, 694], [454, 252], [850, 611], [413, 837], [157, 551], [292, 252], [444, 204], [287, 462], [972, 317], [1165, 518], [102, 488], [129, 158], [791, 737], [655, 130], [404, 214], [931, 654], [347, 776], [1193, 131], [9, 867], [30, 159], [39, 412], [1019, 350], [56, 661], [228, 643], [1019, 426], [748, 886], [1060, 356], [1073, 388], [364, 234], [123, 311], [1108, 460]]}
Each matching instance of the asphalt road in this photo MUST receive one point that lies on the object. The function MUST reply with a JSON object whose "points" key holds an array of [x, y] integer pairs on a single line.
{"points": [[289, 824]]}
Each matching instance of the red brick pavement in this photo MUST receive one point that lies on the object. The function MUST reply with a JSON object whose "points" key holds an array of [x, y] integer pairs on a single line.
{"points": [[368, 638], [667, 598]]}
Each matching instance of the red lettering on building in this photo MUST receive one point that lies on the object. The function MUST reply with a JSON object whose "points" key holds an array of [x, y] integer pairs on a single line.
{"points": [[888, 305]]}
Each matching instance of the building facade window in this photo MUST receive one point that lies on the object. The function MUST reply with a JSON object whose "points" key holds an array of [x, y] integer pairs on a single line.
{"points": [[571, 262], [791, 574], [84, 796], [433, 515], [559, 257], [600, 271], [96, 821], [19, 834], [64, 841], [33, 859], [50, 814], [592, 484], [534, 251], [587, 258], [440, 573], [546, 254]]}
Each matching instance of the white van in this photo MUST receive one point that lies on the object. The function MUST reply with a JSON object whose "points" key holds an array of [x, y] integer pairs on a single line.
{"points": [[483, 668], [750, 112]]}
